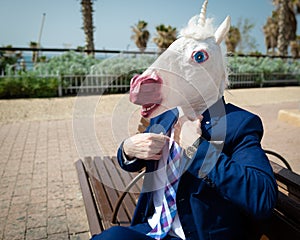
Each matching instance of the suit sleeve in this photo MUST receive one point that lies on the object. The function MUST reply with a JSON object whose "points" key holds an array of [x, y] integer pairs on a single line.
{"points": [[135, 166], [244, 178]]}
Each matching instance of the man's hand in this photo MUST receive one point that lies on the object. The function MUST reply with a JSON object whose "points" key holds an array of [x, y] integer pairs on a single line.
{"points": [[187, 131], [147, 146]]}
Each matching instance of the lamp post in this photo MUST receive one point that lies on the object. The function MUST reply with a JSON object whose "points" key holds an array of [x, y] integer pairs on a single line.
{"points": [[40, 36]]}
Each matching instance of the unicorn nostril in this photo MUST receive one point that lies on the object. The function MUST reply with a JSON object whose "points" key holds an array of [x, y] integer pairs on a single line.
{"points": [[145, 79], [134, 79]]}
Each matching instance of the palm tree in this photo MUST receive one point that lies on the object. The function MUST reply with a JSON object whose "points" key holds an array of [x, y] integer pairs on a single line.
{"points": [[293, 4], [34, 45], [140, 35], [88, 28], [9, 57], [287, 23], [270, 30], [283, 41], [233, 38], [166, 35]]}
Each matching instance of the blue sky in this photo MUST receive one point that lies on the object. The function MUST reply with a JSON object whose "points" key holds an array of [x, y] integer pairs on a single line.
{"points": [[20, 20]]}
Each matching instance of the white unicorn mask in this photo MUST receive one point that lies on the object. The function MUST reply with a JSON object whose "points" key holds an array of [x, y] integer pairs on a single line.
{"points": [[190, 74]]}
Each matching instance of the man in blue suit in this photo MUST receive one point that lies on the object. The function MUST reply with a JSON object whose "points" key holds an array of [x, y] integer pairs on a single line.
{"points": [[206, 173], [214, 201]]}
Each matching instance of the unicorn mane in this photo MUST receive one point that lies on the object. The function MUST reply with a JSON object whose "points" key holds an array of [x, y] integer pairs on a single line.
{"points": [[198, 31]]}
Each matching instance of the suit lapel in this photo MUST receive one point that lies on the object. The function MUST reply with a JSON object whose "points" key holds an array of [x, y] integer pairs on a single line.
{"points": [[163, 122], [211, 118]]}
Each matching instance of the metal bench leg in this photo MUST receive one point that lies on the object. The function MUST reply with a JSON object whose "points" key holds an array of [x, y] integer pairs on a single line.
{"points": [[119, 202]]}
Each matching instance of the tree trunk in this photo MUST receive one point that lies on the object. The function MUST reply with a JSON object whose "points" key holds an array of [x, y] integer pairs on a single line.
{"points": [[88, 28], [283, 41]]}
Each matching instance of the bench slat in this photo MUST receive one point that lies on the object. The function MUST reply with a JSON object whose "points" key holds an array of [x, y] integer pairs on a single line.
{"points": [[278, 228], [100, 177], [290, 180], [289, 207], [127, 177], [110, 191], [100, 194], [89, 203], [118, 184]]}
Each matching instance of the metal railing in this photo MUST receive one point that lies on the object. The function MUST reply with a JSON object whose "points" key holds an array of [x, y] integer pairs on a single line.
{"points": [[108, 84], [97, 83], [243, 80], [92, 84]]}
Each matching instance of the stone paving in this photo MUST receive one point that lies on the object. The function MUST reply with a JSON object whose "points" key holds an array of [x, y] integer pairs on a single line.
{"points": [[40, 196]]}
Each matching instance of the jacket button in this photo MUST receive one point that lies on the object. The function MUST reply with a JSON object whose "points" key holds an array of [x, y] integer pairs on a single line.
{"points": [[209, 181]]}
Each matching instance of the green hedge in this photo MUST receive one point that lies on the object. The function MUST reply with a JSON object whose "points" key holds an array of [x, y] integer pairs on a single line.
{"points": [[69, 63], [31, 84], [28, 84], [263, 65]]}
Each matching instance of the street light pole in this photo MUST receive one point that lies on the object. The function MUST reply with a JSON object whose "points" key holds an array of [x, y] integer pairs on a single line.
{"points": [[40, 35]]}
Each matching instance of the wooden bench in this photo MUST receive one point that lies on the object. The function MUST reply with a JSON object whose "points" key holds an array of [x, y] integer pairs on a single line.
{"points": [[109, 193], [104, 186]]}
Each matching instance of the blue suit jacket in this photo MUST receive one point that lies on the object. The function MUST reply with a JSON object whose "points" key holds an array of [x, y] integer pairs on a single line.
{"points": [[228, 182]]}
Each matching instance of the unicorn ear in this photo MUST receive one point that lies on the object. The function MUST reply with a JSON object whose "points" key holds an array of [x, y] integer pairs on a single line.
{"points": [[222, 31]]}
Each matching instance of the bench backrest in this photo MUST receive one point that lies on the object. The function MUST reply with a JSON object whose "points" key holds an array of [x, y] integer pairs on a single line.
{"points": [[285, 222], [103, 182]]}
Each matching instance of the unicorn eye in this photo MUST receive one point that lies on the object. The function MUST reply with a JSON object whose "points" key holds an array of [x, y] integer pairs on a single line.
{"points": [[200, 56]]}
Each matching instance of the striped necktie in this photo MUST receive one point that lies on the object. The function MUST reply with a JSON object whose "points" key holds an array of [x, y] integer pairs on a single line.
{"points": [[169, 208]]}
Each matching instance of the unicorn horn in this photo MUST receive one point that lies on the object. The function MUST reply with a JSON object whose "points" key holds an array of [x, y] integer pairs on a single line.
{"points": [[202, 17]]}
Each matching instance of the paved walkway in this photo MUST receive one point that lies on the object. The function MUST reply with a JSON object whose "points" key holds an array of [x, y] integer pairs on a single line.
{"points": [[40, 139], [40, 196]]}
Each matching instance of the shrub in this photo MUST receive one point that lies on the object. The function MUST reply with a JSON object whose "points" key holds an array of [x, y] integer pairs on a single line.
{"points": [[69, 63], [263, 65], [32, 84], [28, 84], [122, 64]]}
